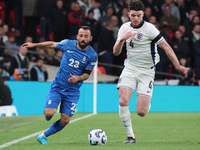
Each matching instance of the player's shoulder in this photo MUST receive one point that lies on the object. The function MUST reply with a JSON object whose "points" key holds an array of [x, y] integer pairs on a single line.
{"points": [[148, 24], [92, 51], [126, 25]]}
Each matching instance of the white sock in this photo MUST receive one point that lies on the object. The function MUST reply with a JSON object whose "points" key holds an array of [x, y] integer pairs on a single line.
{"points": [[43, 134], [125, 117]]}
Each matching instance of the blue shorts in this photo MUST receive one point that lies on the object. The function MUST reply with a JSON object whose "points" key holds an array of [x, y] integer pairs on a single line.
{"points": [[68, 99]]}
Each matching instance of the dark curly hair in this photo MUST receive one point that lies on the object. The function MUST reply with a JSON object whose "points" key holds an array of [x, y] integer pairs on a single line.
{"points": [[136, 5]]}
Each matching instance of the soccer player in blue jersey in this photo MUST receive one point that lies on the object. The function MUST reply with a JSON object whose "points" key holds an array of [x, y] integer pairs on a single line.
{"points": [[78, 60]]}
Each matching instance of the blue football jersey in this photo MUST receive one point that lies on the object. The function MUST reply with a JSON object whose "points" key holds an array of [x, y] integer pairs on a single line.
{"points": [[74, 61]]}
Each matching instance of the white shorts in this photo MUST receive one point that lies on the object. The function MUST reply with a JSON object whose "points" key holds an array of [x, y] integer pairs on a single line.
{"points": [[137, 79]]}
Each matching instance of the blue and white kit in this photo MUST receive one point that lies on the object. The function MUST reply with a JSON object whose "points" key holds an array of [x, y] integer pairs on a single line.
{"points": [[74, 61]]}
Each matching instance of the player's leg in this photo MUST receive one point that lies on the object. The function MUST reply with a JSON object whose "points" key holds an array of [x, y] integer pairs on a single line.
{"points": [[126, 85], [124, 113], [144, 94], [49, 113], [52, 101], [143, 105]]}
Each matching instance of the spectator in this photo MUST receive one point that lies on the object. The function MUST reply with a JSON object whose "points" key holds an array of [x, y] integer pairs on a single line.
{"points": [[93, 24], [182, 10], [12, 44], [195, 35], [105, 49], [155, 8], [1, 41], [197, 59], [147, 13], [6, 62], [5, 93], [18, 75], [174, 9], [75, 19], [60, 22], [169, 18], [118, 6], [180, 47], [188, 40], [84, 4], [44, 10], [19, 39], [5, 29], [188, 20], [57, 58], [195, 20], [95, 6], [21, 61], [3, 32], [30, 17], [39, 72], [42, 54], [107, 17], [115, 23], [153, 20], [124, 17], [182, 29]]}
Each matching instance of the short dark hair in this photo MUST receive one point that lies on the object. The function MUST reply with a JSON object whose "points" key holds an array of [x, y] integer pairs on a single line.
{"points": [[136, 5], [85, 28], [39, 58]]}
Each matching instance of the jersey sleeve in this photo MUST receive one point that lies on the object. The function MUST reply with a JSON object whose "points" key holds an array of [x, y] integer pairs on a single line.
{"points": [[155, 35], [62, 44], [121, 32], [92, 62]]}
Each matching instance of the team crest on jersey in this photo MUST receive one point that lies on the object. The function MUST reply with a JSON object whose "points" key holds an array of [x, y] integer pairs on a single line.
{"points": [[84, 59], [139, 36]]}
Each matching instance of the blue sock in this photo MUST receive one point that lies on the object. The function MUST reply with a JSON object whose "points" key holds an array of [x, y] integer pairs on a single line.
{"points": [[54, 128], [48, 118]]}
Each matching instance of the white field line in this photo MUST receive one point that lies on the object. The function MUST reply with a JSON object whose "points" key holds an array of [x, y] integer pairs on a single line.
{"points": [[34, 134]]}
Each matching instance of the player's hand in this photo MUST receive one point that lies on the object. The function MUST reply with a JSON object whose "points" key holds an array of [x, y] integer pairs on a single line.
{"points": [[73, 78], [183, 70], [26, 45], [127, 35]]}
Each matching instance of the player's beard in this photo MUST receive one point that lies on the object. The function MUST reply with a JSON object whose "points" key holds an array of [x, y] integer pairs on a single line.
{"points": [[83, 46]]}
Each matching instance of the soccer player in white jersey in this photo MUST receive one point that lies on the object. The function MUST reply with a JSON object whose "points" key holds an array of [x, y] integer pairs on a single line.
{"points": [[141, 39]]}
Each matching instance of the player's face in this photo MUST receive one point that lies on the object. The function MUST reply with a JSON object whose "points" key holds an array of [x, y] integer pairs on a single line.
{"points": [[136, 17], [84, 37]]}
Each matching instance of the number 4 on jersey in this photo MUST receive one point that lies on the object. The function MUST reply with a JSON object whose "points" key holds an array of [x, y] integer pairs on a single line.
{"points": [[131, 44]]}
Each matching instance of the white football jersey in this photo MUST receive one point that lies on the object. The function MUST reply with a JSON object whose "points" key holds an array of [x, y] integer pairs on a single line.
{"points": [[141, 48]]}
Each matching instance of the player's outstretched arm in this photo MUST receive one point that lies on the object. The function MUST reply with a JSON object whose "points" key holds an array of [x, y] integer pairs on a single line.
{"points": [[119, 44], [42, 44], [171, 55]]}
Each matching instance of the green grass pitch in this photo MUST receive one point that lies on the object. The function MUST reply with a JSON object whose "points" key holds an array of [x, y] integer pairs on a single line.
{"points": [[156, 131]]}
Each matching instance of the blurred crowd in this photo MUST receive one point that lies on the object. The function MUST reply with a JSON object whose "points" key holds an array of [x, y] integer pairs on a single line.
{"points": [[41, 20]]}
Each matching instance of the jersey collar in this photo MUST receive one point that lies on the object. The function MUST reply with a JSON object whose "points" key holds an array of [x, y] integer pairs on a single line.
{"points": [[138, 26]]}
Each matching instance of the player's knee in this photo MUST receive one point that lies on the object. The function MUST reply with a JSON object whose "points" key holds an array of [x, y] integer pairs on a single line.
{"points": [[122, 102], [49, 114], [64, 122], [141, 113]]}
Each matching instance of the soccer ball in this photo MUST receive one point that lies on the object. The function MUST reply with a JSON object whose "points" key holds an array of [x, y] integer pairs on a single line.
{"points": [[97, 137]]}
